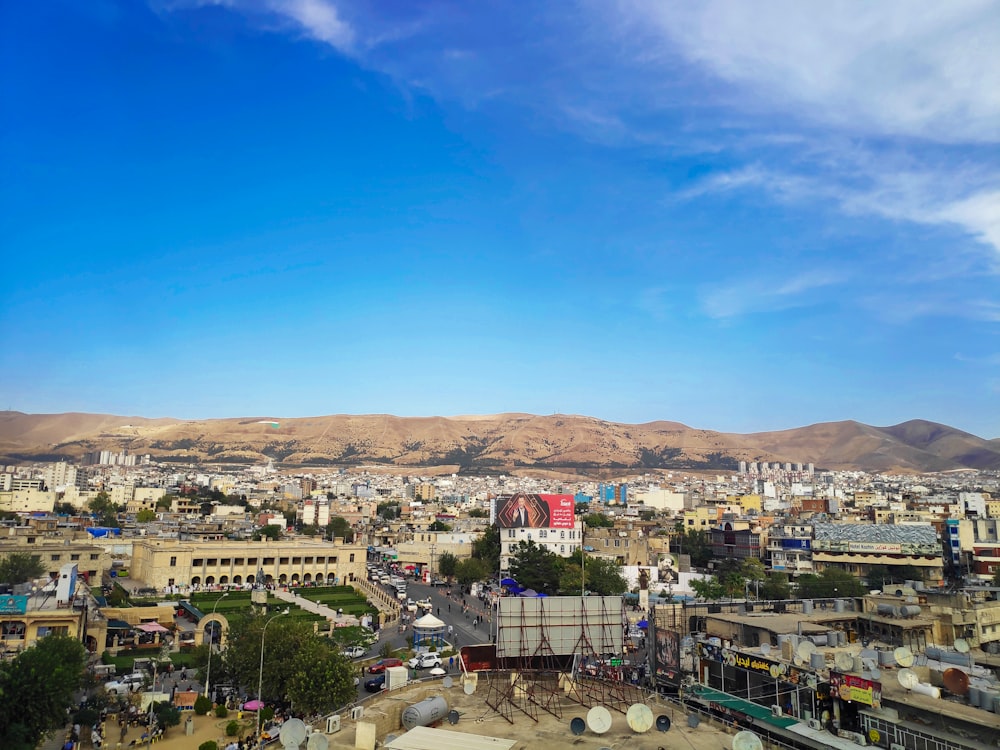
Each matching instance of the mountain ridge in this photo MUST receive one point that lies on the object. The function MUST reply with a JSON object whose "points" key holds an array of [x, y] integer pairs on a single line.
{"points": [[507, 441]]}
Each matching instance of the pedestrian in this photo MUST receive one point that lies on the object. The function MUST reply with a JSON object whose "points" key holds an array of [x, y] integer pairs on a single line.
{"points": [[449, 607]]}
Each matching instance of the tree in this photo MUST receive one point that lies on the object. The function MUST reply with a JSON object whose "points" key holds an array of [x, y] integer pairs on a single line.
{"points": [[707, 588], [36, 688], [604, 577], [20, 567], [470, 571], [145, 516], [878, 576], [478, 513], [439, 526], [321, 678], [105, 510], [830, 583], [166, 715], [165, 502], [269, 531], [996, 578], [486, 548], [446, 564], [598, 521], [534, 567], [776, 586], [63, 508], [388, 511], [696, 544], [340, 527]]}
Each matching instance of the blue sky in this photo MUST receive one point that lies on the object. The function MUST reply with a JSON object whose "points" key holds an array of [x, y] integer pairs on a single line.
{"points": [[742, 216]]}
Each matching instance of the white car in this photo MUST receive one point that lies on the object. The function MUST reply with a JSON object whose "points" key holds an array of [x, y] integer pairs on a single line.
{"points": [[353, 652], [424, 661], [425, 603], [410, 606], [127, 684]]}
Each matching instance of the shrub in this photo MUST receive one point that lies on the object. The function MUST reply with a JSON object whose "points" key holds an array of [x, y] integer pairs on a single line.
{"points": [[202, 705], [210, 745], [232, 728], [221, 711], [266, 714]]}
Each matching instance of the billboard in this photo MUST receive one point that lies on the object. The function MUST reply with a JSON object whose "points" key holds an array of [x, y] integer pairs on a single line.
{"points": [[560, 625], [535, 511], [856, 689], [668, 654], [13, 604]]}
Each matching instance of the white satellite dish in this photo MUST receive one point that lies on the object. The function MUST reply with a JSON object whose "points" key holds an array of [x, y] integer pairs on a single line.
{"points": [[765, 648], [292, 733], [805, 650], [317, 741], [747, 740], [876, 673], [639, 718], [961, 645], [599, 719], [903, 656], [844, 661], [469, 688], [907, 678], [798, 661], [447, 682]]}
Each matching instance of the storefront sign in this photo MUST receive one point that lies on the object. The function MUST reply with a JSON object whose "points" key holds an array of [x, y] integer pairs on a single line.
{"points": [[875, 547], [751, 662], [13, 605], [856, 689]]}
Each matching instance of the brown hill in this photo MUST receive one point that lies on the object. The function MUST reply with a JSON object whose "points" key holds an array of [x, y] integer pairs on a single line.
{"points": [[493, 443]]}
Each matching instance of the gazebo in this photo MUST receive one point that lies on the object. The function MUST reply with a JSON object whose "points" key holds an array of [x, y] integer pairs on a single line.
{"points": [[428, 631]]}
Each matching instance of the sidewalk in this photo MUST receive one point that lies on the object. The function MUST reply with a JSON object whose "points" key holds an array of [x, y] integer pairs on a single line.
{"points": [[320, 609]]}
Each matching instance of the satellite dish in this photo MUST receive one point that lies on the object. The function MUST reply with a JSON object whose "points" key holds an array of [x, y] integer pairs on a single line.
{"points": [[317, 741], [663, 723], [961, 645], [907, 678], [693, 720], [903, 656], [765, 648], [469, 688], [639, 718], [876, 673], [956, 681], [577, 725], [844, 661], [292, 733], [798, 661], [805, 650], [599, 719], [747, 740], [453, 717], [447, 682]]}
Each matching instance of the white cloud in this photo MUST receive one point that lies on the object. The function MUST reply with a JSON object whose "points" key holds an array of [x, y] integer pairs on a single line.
{"points": [[895, 67], [770, 294]]}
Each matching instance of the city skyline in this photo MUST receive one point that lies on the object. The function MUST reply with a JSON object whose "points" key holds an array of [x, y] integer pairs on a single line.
{"points": [[742, 217]]}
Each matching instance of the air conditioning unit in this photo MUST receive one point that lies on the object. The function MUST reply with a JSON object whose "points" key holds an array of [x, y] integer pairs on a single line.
{"points": [[357, 712], [816, 724], [776, 710], [896, 746], [333, 724]]}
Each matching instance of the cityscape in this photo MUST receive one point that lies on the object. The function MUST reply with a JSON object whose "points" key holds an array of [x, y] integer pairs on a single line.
{"points": [[416, 376]]}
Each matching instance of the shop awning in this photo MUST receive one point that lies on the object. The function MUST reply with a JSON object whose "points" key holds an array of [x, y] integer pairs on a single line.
{"points": [[151, 627], [118, 625]]}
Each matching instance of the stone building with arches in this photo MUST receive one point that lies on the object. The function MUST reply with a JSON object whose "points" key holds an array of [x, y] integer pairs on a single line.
{"points": [[167, 564]]}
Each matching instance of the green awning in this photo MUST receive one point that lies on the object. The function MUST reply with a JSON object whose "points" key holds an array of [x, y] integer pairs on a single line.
{"points": [[739, 705], [118, 625]]}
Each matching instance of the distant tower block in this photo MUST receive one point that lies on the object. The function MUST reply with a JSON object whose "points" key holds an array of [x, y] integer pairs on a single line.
{"points": [[811, 469], [743, 467]]}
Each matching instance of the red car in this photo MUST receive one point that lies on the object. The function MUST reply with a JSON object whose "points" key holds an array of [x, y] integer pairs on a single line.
{"points": [[381, 665]]}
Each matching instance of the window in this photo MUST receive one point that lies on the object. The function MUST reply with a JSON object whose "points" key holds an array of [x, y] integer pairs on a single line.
{"points": [[618, 543], [562, 534], [74, 557], [333, 560], [510, 533], [251, 561], [352, 557], [173, 561], [542, 534], [283, 561], [238, 561], [55, 558], [562, 548], [308, 561], [226, 561], [269, 561], [296, 561], [31, 540], [197, 562]]}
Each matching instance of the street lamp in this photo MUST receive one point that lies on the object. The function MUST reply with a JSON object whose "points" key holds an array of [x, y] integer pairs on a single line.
{"points": [[431, 569], [260, 679], [208, 672]]}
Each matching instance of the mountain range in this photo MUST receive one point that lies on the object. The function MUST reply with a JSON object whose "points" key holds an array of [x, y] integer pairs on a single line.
{"points": [[501, 442]]}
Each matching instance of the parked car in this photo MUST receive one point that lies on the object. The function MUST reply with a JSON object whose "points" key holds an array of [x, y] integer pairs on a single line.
{"points": [[353, 652], [127, 684], [425, 603], [375, 684], [382, 664], [410, 606], [439, 582], [424, 661]]}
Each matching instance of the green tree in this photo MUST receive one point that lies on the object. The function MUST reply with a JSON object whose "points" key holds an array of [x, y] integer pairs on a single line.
{"points": [[534, 567], [754, 573], [145, 516], [486, 548], [321, 678], [439, 526], [36, 688], [20, 567], [470, 570], [776, 586], [106, 511], [269, 531], [604, 577], [478, 513], [166, 715], [996, 578], [830, 583], [708, 588], [388, 511], [878, 576], [598, 521], [165, 502], [446, 564], [340, 527], [64, 509]]}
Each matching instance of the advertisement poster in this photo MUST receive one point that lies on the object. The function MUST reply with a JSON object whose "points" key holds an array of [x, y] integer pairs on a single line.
{"points": [[668, 654], [857, 689], [523, 511]]}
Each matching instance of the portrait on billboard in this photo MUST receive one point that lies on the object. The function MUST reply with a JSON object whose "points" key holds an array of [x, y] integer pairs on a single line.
{"points": [[668, 652], [523, 512]]}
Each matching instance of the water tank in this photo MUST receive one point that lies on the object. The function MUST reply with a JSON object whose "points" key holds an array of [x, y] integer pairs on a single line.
{"points": [[886, 659], [884, 610], [927, 689], [841, 638], [807, 606], [831, 638], [817, 660], [426, 712], [910, 610], [819, 640], [838, 605], [974, 696]]}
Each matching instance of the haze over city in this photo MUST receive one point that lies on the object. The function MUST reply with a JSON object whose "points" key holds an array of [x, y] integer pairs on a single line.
{"points": [[740, 216]]}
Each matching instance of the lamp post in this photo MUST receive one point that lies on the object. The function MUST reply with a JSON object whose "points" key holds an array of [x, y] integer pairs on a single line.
{"points": [[260, 678], [430, 575], [208, 672]]}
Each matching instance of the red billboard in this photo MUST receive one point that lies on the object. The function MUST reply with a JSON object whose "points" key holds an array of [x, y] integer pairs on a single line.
{"points": [[535, 511]]}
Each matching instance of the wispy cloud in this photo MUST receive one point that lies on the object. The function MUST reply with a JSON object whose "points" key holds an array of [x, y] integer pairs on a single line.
{"points": [[768, 294]]}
